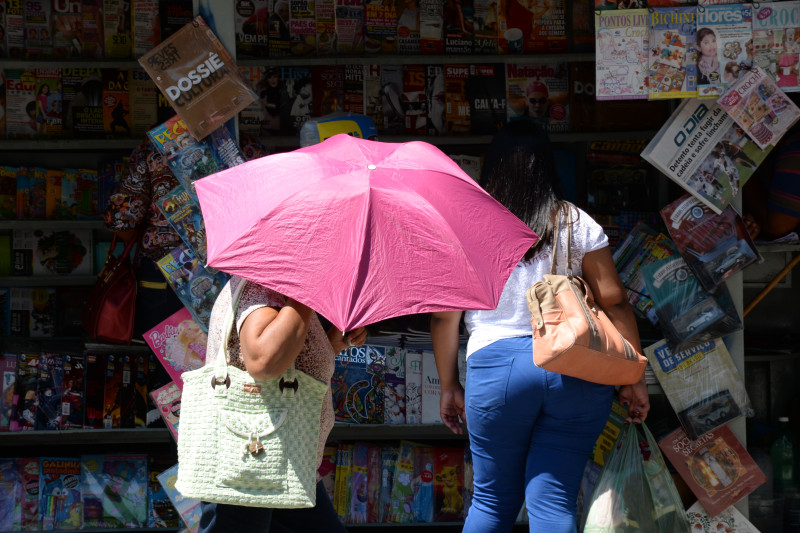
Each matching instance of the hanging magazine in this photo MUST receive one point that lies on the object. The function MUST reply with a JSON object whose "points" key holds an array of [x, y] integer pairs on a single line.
{"points": [[198, 77], [760, 107], [724, 33], [673, 71], [183, 214], [701, 383], [703, 150], [622, 54], [715, 246], [776, 42]]}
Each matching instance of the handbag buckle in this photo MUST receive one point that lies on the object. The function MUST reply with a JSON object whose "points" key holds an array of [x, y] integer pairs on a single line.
{"points": [[219, 381], [283, 384], [254, 446]]}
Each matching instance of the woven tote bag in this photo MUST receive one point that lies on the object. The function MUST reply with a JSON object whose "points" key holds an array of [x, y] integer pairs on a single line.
{"points": [[247, 442], [571, 334]]}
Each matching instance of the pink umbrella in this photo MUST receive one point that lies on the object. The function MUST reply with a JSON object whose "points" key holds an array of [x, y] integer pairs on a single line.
{"points": [[362, 231]]}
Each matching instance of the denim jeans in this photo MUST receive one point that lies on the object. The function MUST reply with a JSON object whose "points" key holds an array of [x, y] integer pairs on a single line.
{"points": [[530, 434], [221, 518]]}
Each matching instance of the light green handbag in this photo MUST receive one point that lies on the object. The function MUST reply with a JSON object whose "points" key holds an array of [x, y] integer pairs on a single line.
{"points": [[248, 442]]}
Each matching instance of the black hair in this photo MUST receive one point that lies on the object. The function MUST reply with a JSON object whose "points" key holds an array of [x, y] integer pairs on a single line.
{"points": [[520, 173]]}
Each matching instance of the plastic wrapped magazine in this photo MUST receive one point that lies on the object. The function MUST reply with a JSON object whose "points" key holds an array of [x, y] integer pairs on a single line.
{"points": [[715, 246], [701, 383], [687, 313]]}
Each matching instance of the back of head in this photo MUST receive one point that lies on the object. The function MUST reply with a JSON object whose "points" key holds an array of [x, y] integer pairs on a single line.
{"points": [[519, 172]]}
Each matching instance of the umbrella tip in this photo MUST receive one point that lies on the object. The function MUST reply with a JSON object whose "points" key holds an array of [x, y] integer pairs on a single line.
{"points": [[371, 167]]}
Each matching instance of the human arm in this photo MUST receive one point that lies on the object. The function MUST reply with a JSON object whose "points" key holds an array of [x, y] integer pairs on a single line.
{"points": [[601, 276], [271, 338], [444, 332]]}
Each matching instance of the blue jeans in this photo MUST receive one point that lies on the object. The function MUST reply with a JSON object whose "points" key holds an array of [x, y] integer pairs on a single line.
{"points": [[221, 518], [530, 434]]}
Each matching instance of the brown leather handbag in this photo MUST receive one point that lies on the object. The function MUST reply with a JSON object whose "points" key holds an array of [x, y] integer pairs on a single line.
{"points": [[110, 311], [571, 334]]}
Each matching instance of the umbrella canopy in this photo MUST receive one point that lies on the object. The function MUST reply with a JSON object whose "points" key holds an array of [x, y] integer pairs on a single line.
{"points": [[362, 231]]}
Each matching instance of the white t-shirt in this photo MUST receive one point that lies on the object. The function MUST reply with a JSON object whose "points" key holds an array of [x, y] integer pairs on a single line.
{"points": [[512, 318]]}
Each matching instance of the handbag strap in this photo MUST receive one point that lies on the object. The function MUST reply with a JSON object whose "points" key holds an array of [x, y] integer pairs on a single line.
{"points": [[221, 363], [128, 247], [554, 262]]}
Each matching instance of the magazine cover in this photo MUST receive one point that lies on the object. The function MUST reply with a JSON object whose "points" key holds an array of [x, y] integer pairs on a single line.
{"points": [[760, 107], [20, 104], [408, 37], [776, 42], [53, 252], [724, 34], [28, 470], [48, 102], [8, 192], [413, 100], [621, 65], [701, 383], [394, 397], [389, 458], [486, 27], [146, 29], [687, 314], [11, 495], [252, 116], [278, 28], [459, 25], [52, 201], [430, 391], [372, 94], [183, 214], [436, 99], [142, 102], [327, 470], [380, 27], [391, 95], [704, 151], [15, 29], [302, 28], [325, 18], [197, 286], [168, 400], [114, 489], [448, 484], [179, 343], [431, 27], [33, 312], [401, 505], [8, 381], [715, 246], [82, 101], [116, 29], [296, 98], [38, 27], [60, 504], [328, 84], [113, 390], [413, 386], [539, 91], [534, 27], [188, 508], [716, 467], [457, 120], [160, 511], [92, 44], [486, 94], [357, 386], [349, 26], [215, 91], [728, 520], [673, 48], [422, 484], [95, 380], [357, 513], [72, 392], [251, 21], [49, 392]]}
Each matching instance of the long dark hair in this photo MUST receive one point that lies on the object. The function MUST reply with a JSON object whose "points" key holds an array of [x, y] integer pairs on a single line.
{"points": [[520, 173]]}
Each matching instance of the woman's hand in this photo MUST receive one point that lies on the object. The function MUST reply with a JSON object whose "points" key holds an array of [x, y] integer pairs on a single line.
{"points": [[340, 341], [636, 399], [451, 408]]}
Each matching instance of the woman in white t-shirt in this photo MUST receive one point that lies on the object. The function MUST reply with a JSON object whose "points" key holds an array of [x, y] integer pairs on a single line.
{"points": [[530, 430]]}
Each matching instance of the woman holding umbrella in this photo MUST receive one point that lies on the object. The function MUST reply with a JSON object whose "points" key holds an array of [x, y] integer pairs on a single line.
{"points": [[272, 333], [530, 430]]}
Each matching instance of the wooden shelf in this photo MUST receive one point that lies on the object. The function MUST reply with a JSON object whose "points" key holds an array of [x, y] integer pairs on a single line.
{"points": [[46, 281], [54, 224], [392, 432], [86, 436], [68, 145]]}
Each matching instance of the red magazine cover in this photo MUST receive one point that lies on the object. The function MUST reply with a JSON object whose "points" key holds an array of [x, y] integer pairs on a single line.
{"points": [[448, 483], [716, 467]]}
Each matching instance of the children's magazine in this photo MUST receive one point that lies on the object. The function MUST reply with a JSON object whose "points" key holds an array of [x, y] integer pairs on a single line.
{"points": [[673, 50], [179, 343], [621, 64]]}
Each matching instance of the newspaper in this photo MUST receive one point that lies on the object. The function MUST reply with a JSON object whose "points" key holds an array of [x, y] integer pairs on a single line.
{"points": [[703, 150]]}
